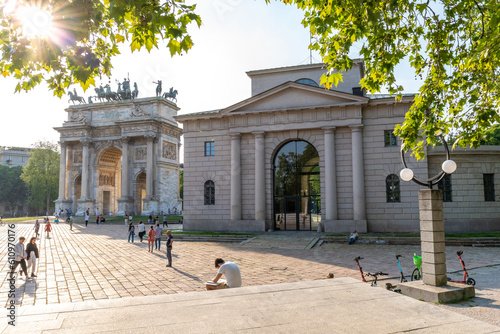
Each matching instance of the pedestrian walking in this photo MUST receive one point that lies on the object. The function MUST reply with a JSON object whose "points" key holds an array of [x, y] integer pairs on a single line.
{"points": [[48, 228], [129, 218], [97, 220], [151, 239], [141, 228], [32, 256], [170, 241], [165, 224], [158, 231], [131, 231], [87, 218], [37, 228], [19, 259], [70, 221], [150, 219]]}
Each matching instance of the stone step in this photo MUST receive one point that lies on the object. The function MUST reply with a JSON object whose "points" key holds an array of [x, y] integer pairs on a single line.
{"points": [[212, 238], [474, 242]]}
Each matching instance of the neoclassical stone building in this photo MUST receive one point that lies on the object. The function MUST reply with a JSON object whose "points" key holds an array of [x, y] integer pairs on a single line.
{"points": [[120, 157], [295, 156]]}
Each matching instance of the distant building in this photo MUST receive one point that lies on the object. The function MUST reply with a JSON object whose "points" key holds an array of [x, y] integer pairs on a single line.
{"points": [[14, 156], [295, 156]]}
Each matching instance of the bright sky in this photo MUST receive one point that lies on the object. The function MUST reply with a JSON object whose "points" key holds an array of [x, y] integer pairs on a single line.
{"points": [[236, 36]]}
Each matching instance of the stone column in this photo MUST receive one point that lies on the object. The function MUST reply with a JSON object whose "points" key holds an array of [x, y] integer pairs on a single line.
{"points": [[85, 169], [260, 177], [150, 202], [62, 171], [330, 175], [432, 236], [149, 166], [358, 176], [126, 201], [235, 176], [125, 168]]}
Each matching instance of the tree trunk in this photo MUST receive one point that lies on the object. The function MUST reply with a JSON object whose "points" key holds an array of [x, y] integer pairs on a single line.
{"points": [[48, 197]]}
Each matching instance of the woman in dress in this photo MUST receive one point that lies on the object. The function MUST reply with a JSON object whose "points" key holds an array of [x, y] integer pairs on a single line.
{"points": [[151, 239], [32, 255], [48, 228]]}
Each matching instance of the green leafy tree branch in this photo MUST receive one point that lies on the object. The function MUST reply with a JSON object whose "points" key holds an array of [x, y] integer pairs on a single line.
{"points": [[454, 46], [85, 35]]}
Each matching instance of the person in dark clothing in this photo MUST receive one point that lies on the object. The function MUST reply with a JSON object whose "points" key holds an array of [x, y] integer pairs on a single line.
{"points": [[32, 256]]}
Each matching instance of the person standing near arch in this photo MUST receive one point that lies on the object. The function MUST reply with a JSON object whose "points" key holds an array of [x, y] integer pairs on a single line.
{"points": [[37, 228], [151, 239]]}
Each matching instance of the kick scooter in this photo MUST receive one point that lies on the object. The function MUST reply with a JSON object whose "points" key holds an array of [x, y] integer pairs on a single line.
{"points": [[359, 267], [375, 275], [466, 279], [416, 274], [402, 278]]}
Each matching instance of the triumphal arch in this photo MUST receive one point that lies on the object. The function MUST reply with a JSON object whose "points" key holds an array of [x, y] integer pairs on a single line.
{"points": [[120, 157]]}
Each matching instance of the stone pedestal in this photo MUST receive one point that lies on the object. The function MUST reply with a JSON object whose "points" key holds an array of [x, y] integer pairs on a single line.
{"points": [[437, 294], [150, 206], [125, 206], [83, 205], [432, 237], [63, 204]]}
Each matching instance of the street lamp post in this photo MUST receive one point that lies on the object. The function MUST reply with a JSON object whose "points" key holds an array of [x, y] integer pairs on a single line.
{"points": [[431, 221]]}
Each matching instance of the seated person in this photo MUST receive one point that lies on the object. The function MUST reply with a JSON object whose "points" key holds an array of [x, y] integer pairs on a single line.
{"points": [[353, 237], [232, 273], [103, 219]]}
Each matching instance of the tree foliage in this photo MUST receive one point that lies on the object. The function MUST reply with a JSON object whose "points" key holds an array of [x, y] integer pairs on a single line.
{"points": [[41, 175], [454, 46], [85, 35], [12, 189], [492, 136]]}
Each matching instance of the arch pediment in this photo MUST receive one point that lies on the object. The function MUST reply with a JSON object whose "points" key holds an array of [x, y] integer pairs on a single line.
{"points": [[293, 96]]}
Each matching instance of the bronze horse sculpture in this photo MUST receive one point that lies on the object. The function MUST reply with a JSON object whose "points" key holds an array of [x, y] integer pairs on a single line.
{"points": [[74, 97], [171, 94]]}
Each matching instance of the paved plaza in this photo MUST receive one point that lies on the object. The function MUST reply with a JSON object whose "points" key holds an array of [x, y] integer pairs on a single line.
{"points": [[97, 263]]}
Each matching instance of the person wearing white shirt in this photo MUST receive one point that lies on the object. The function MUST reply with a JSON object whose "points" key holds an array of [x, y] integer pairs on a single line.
{"points": [[20, 258], [141, 228], [232, 273]]}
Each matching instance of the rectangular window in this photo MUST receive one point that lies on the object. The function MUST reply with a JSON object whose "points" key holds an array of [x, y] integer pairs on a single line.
{"points": [[445, 186], [390, 139], [489, 187], [209, 148]]}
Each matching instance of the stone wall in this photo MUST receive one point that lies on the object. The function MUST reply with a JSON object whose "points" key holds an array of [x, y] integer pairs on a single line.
{"points": [[468, 211]]}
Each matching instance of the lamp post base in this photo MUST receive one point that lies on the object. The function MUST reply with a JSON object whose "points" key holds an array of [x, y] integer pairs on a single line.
{"points": [[447, 293]]}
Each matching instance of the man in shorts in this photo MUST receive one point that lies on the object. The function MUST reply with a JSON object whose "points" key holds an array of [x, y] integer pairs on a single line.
{"points": [[232, 273]]}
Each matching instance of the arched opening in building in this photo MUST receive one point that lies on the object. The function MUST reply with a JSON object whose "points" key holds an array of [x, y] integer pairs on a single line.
{"points": [[108, 180], [296, 187], [77, 191], [140, 192]]}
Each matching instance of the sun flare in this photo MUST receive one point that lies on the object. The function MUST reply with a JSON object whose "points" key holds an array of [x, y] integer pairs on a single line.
{"points": [[36, 22]]}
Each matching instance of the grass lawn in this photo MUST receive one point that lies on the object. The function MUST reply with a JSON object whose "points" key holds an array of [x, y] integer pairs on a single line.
{"points": [[414, 235], [122, 219], [209, 233], [20, 219]]}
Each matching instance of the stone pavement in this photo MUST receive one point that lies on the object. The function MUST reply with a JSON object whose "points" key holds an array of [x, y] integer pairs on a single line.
{"points": [[342, 305], [97, 263]]}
